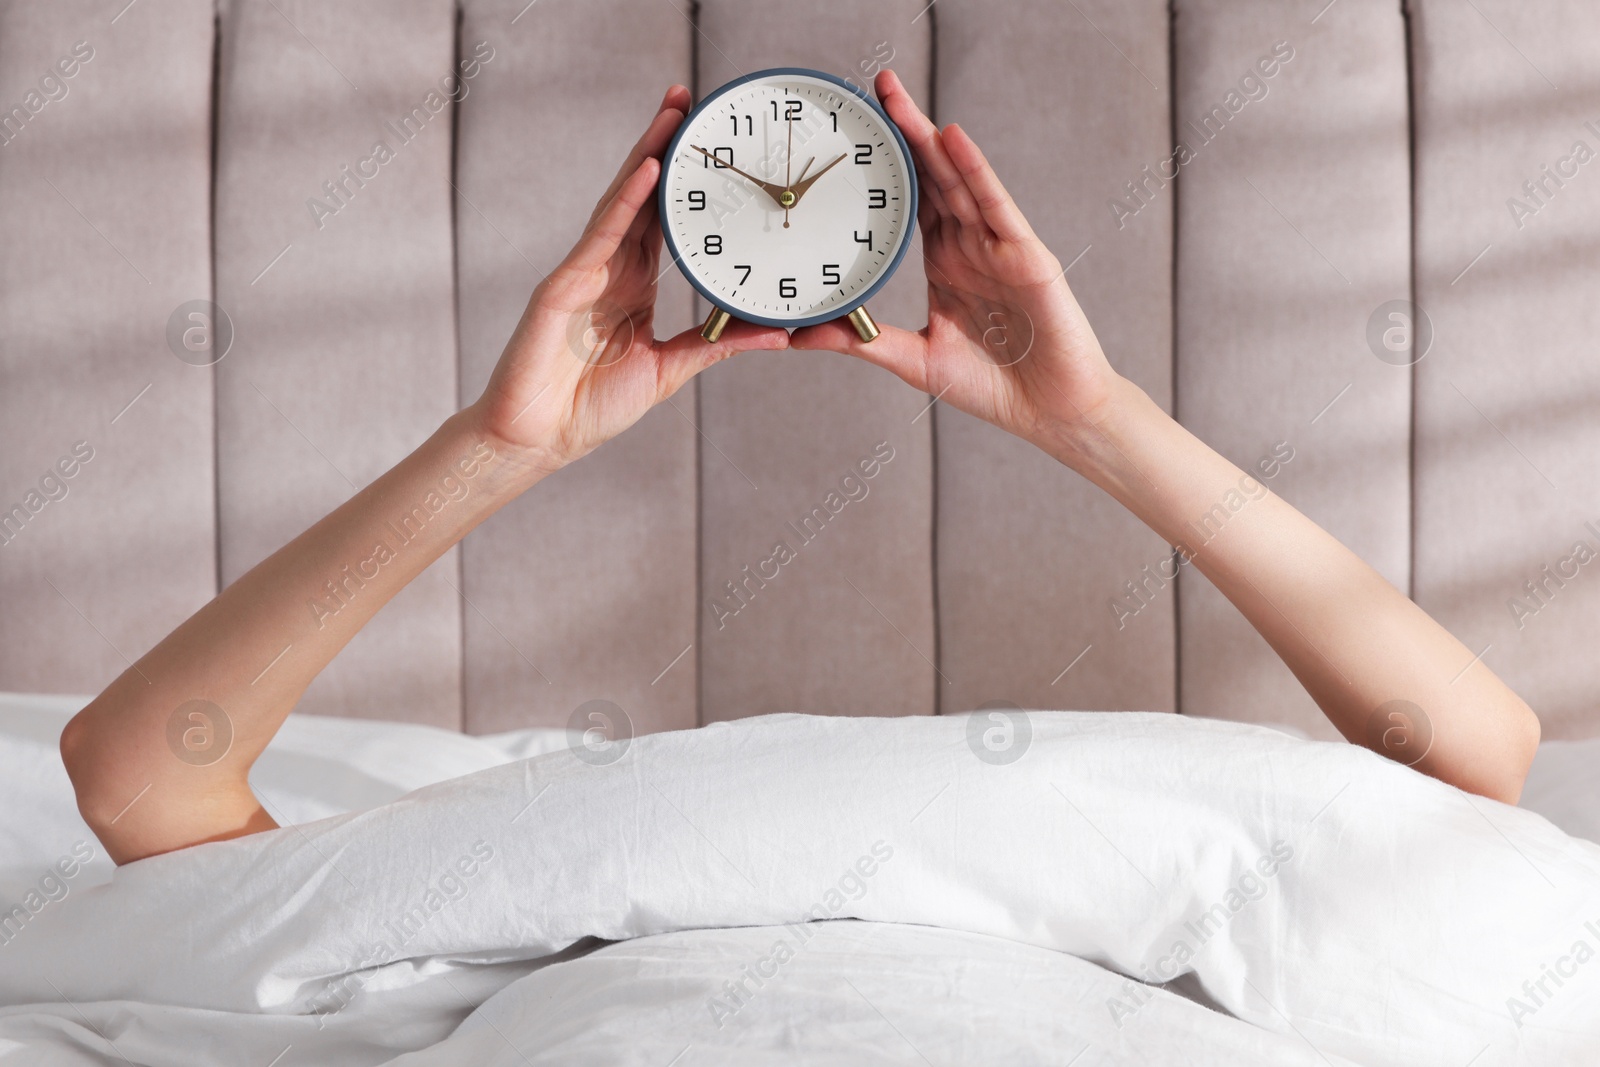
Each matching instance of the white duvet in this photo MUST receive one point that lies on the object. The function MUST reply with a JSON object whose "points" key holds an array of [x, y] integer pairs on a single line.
{"points": [[824, 890]]}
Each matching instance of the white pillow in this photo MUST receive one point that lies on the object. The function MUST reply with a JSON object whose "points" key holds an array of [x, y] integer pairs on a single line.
{"points": [[1314, 888], [314, 768]]}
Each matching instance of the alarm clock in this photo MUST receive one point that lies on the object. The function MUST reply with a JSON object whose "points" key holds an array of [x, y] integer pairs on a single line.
{"points": [[787, 199]]}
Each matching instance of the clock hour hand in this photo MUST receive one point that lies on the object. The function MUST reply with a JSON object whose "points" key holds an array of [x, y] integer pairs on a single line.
{"points": [[799, 188], [774, 191]]}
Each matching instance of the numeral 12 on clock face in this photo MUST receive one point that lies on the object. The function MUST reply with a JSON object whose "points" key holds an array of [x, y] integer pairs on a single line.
{"points": [[787, 198]]}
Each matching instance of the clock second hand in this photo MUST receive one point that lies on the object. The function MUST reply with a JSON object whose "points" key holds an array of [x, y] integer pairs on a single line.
{"points": [[788, 169]]}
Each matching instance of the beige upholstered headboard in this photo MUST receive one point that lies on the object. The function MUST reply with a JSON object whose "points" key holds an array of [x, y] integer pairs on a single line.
{"points": [[197, 153]]}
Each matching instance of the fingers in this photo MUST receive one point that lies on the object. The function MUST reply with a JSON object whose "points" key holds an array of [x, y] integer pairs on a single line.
{"points": [[999, 210], [900, 352], [951, 193], [929, 209], [654, 141], [687, 354], [931, 199], [613, 220], [645, 233]]}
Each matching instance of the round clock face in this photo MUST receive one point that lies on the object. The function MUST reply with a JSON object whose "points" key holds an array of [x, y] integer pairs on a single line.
{"points": [[787, 198]]}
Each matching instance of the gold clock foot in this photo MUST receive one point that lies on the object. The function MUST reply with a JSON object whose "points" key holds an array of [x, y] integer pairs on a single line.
{"points": [[866, 329], [716, 322]]}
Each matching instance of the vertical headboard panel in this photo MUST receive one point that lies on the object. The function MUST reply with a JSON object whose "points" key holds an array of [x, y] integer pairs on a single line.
{"points": [[337, 269], [584, 589], [1293, 229], [1508, 268], [107, 537], [1031, 555], [847, 625]]}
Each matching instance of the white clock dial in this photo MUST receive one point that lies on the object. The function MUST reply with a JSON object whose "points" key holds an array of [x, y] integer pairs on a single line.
{"points": [[731, 171]]}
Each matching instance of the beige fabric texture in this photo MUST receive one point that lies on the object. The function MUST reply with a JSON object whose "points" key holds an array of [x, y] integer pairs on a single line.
{"points": [[1293, 227], [585, 588], [1030, 555], [344, 353], [1382, 162], [848, 626], [104, 230], [1506, 422]]}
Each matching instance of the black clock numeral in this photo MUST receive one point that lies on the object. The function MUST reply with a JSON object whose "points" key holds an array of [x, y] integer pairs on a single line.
{"points": [[786, 288], [749, 125], [835, 116], [863, 154], [791, 109], [706, 161], [714, 243], [830, 274], [697, 200], [867, 240], [878, 198], [744, 267]]}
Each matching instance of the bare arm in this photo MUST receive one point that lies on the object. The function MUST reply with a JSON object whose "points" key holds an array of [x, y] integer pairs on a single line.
{"points": [[146, 786], [139, 785], [1354, 641]]}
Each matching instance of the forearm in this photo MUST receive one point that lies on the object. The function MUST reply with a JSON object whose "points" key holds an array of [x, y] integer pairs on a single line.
{"points": [[314, 594], [1351, 638], [254, 649]]}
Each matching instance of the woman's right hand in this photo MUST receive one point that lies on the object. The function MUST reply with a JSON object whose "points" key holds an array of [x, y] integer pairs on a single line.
{"points": [[584, 363], [1005, 339]]}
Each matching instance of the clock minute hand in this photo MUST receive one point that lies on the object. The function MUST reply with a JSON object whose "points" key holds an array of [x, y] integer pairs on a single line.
{"points": [[774, 191], [800, 188]]}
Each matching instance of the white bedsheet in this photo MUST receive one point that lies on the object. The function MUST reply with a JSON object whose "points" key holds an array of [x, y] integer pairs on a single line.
{"points": [[1397, 922], [854, 993]]}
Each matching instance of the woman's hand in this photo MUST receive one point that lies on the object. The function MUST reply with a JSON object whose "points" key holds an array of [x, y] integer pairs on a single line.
{"points": [[583, 364], [1005, 339]]}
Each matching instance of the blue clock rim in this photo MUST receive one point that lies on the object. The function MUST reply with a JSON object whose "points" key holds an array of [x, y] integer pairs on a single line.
{"points": [[911, 180]]}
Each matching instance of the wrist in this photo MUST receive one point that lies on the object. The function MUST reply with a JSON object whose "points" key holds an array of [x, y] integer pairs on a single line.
{"points": [[517, 465], [1091, 442]]}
